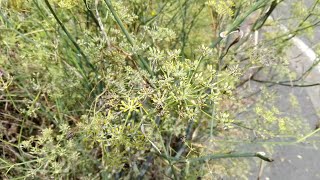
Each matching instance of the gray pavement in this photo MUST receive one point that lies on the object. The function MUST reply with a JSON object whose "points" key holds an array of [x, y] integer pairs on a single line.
{"points": [[299, 161]]}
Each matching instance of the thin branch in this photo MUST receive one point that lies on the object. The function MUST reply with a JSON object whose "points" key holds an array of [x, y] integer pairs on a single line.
{"points": [[286, 84], [126, 33]]}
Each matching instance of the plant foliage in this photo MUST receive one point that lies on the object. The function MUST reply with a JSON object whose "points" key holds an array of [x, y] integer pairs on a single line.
{"points": [[100, 89]]}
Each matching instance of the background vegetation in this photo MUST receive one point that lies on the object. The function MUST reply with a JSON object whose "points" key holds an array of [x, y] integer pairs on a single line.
{"points": [[100, 89]]}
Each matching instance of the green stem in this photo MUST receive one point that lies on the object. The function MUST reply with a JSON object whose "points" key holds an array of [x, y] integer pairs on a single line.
{"points": [[183, 30], [240, 19], [70, 37], [95, 20], [261, 21], [126, 33], [308, 135]]}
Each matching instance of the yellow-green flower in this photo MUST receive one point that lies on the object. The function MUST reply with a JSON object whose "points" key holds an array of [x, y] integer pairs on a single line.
{"points": [[130, 105]]}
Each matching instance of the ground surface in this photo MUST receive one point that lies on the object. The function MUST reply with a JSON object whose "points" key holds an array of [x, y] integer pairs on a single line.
{"points": [[300, 161]]}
